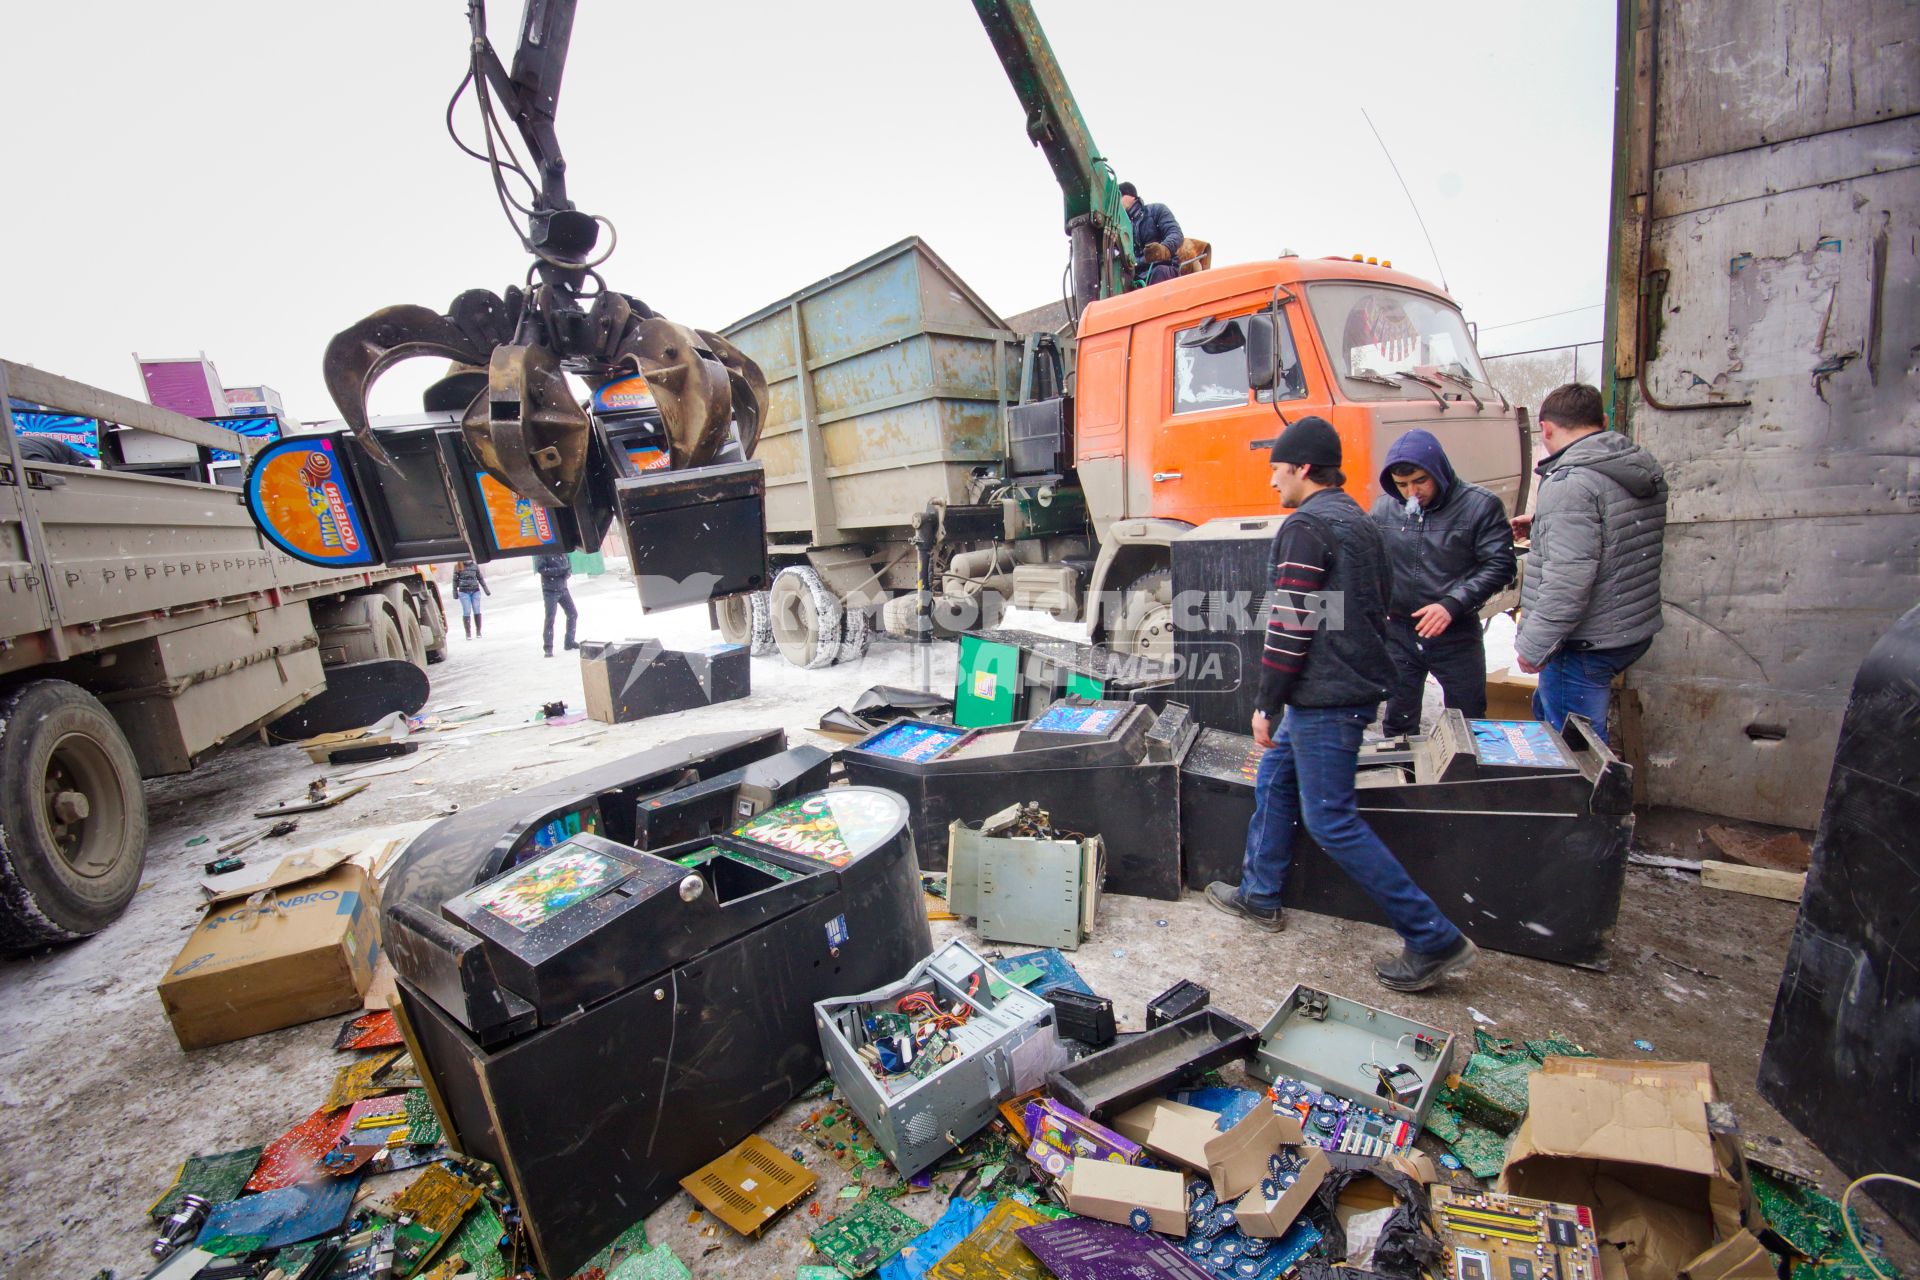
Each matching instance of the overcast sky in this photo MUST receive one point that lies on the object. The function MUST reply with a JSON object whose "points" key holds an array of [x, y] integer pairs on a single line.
{"points": [[247, 178]]}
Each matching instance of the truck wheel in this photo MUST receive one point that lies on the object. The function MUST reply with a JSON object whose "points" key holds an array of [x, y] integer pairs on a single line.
{"points": [[856, 634], [73, 821], [744, 619], [1145, 628], [413, 636], [806, 618]]}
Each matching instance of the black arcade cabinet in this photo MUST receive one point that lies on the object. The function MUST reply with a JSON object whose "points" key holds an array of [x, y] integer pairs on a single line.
{"points": [[1518, 833], [599, 1020], [1110, 769]]}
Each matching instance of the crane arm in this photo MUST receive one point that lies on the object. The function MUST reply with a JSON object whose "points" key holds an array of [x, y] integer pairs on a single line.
{"points": [[1097, 224]]}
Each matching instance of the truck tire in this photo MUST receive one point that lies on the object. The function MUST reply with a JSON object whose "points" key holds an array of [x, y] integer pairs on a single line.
{"points": [[744, 619], [856, 634], [363, 630], [414, 633], [73, 820], [1145, 627], [806, 618]]}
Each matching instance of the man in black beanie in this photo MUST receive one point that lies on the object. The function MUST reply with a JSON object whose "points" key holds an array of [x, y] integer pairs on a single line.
{"points": [[1325, 670]]}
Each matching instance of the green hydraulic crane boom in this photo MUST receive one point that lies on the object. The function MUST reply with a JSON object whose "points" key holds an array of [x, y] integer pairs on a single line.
{"points": [[1097, 225]]}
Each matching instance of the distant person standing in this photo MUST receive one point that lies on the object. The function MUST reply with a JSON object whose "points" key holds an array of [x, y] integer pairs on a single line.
{"points": [[554, 572], [467, 586], [1590, 595], [1156, 236], [1451, 550]]}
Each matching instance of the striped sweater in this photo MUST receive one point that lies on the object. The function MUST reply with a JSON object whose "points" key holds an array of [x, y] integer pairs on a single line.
{"points": [[1326, 619]]}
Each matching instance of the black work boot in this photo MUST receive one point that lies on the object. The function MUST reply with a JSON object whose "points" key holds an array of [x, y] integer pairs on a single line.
{"points": [[1227, 898], [1417, 970]]}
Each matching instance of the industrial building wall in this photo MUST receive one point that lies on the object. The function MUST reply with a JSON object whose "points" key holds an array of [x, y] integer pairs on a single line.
{"points": [[1763, 340]]}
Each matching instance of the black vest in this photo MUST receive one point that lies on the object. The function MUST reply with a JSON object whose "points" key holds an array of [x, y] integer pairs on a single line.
{"points": [[1347, 663]]}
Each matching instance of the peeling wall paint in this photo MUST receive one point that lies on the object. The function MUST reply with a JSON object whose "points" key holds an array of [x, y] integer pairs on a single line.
{"points": [[1782, 231]]}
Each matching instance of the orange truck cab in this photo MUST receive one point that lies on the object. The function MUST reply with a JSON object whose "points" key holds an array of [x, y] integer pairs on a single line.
{"points": [[1173, 419]]}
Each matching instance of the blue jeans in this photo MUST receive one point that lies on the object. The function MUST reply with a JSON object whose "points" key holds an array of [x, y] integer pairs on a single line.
{"points": [[1579, 681], [1307, 779], [469, 602]]}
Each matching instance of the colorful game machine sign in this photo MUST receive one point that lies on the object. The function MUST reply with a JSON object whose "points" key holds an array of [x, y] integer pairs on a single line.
{"points": [[625, 398], [513, 522], [300, 494]]}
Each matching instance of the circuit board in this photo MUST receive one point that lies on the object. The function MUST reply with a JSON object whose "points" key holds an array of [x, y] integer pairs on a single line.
{"points": [[437, 1200], [991, 1251], [1810, 1222], [1214, 1240], [1334, 1123], [478, 1241], [865, 1236], [1489, 1236], [423, 1126]]}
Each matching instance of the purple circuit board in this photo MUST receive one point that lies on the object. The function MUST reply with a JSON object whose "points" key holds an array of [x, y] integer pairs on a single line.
{"points": [[1083, 1249]]}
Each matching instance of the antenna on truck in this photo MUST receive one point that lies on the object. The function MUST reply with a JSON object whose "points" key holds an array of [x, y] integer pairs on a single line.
{"points": [[1403, 186]]}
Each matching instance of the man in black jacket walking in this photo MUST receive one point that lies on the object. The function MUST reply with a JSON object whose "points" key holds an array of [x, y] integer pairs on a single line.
{"points": [[554, 572], [1325, 670], [1451, 550]]}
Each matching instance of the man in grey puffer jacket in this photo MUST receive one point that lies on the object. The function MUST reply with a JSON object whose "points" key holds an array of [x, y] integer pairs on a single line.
{"points": [[1590, 595]]}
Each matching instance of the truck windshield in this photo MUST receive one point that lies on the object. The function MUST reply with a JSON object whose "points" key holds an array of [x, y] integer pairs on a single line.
{"points": [[1374, 334]]}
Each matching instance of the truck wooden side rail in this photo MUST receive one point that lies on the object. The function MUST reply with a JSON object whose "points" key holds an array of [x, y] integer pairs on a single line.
{"points": [[144, 621]]}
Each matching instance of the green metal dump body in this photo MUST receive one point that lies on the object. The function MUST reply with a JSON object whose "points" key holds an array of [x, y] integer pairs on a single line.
{"points": [[902, 391]]}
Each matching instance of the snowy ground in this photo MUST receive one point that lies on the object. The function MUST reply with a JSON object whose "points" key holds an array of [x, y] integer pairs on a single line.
{"points": [[98, 1104]]}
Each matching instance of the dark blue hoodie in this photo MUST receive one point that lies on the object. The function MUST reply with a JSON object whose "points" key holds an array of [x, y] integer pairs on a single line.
{"points": [[1457, 552]]}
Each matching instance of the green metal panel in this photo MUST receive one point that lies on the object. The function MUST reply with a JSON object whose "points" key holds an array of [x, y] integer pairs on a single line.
{"points": [[1085, 686], [988, 683], [888, 383]]}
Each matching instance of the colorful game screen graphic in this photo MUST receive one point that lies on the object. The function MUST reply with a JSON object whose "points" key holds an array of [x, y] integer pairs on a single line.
{"points": [[513, 523], [833, 828], [535, 892], [1087, 720], [299, 495], [563, 828], [1516, 742], [912, 741]]}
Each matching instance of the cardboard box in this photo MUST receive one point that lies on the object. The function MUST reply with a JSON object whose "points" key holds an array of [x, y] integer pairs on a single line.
{"points": [[1510, 694], [1235, 1160], [1114, 1192], [1631, 1140], [1269, 1219], [300, 951], [1059, 1136]]}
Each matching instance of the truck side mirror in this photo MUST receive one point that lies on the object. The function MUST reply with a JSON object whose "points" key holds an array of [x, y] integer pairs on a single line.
{"points": [[1263, 355]]}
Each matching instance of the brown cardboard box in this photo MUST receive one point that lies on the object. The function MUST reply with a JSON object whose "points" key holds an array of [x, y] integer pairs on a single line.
{"points": [[1236, 1160], [1510, 694], [1112, 1192], [1631, 1141], [300, 951], [1270, 1219]]}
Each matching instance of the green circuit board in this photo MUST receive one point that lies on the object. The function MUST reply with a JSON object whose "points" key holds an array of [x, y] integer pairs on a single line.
{"points": [[865, 1236], [1810, 1222]]}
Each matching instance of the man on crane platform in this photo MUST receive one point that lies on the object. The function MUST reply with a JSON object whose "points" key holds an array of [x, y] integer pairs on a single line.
{"points": [[1156, 236]]}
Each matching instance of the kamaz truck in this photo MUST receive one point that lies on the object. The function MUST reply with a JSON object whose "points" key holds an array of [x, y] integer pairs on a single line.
{"points": [[143, 622]]}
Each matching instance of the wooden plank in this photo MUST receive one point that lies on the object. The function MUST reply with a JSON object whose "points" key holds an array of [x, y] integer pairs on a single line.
{"points": [[37, 385], [1758, 882], [1787, 851]]}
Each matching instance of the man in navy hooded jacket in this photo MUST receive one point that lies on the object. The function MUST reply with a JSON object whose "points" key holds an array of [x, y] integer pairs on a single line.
{"points": [[1451, 549]]}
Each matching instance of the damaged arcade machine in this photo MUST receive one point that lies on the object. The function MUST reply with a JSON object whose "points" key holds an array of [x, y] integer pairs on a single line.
{"points": [[600, 1020]]}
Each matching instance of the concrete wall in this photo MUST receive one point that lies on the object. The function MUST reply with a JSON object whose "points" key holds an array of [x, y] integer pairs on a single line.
{"points": [[1777, 286]]}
